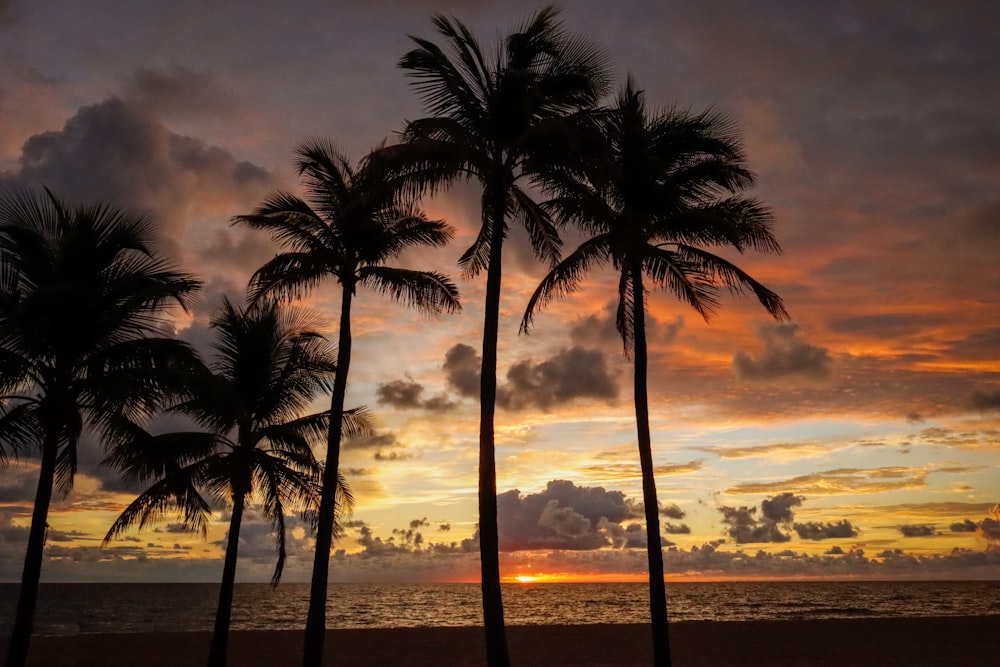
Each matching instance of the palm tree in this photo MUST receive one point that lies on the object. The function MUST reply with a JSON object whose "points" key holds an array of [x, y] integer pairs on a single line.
{"points": [[655, 193], [269, 366], [356, 218], [489, 117], [83, 296]]}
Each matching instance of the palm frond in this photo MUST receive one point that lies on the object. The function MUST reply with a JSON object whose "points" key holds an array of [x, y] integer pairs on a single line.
{"points": [[428, 291], [534, 218], [726, 274], [565, 277], [176, 493]]}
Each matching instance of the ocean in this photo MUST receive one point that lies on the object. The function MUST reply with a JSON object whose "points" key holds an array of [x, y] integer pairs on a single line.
{"points": [[69, 609]]}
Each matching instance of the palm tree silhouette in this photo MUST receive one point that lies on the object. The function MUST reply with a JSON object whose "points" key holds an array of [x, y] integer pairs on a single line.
{"points": [[83, 296], [490, 117], [269, 366], [356, 219], [654, 191]]}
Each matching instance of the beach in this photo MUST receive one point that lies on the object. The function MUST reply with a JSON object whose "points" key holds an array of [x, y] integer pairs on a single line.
{"points": [[915, 642]]}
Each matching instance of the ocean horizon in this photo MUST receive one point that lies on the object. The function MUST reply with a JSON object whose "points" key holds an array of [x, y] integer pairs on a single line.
{"points": [[70, 609]]}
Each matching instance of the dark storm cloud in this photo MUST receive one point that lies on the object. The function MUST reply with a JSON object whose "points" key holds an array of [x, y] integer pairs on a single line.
{"points": [[916, 530], [812, 530], [564, 516], [785, 356], [408, 394], [570, 374]]}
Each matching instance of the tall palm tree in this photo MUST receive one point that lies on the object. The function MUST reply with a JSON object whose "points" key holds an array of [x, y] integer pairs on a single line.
{"points": [[490, 115], [355, 219], [83, 296], [269, 366], [656, 192]]}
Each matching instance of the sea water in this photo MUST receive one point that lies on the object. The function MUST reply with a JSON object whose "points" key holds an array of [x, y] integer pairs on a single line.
{"points": [[67, 609]]}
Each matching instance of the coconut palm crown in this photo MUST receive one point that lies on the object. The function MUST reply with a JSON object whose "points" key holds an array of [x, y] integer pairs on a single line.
{"points": [[269, 365], [354, 219], [492, 113], [83, 307], [656, 192]]}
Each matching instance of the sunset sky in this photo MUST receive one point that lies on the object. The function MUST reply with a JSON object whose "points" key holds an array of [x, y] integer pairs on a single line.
{"points": [[860, 439]]}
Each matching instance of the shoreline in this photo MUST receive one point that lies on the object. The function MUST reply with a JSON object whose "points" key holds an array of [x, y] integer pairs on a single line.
{"points": [[913, 641]]}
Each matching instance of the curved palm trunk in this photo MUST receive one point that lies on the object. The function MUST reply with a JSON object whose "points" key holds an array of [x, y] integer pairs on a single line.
{"points": [[316, 619], [17, 650], [489, 539], [224, 612], [657, 588]]}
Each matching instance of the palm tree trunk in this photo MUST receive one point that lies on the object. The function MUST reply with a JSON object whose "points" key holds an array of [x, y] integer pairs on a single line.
{"points": [[489, 539], [224, 612], [316, 619], [657, 588], [17, 650]]}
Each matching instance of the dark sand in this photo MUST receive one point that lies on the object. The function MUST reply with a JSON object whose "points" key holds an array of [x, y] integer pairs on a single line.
{"points": [[914, 642]]}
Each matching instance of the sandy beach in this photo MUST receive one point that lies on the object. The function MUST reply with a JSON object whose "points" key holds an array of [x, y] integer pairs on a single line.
{"points": [[915, 642]]}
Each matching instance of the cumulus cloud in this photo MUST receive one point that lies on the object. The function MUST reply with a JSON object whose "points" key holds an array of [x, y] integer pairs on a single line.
{"points": [[120, 151], [984, 400], [570, 374], [676, 528], [916, 530], [785, 356], [462, 368], [813, 530], [990, 528], [598, 330], [408, 394], [386, 446], [779, 508], [564, 516], [745, 527], [967, 526], [672, 511]]}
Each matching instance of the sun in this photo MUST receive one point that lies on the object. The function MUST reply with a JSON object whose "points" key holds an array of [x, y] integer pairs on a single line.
{"points": [[525, 579]]}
